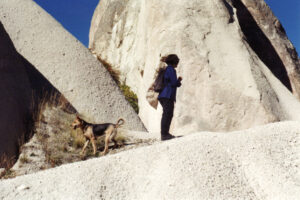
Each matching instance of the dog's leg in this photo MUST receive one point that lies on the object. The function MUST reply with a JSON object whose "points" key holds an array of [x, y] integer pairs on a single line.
{"points": [[116, 145], [94, 145], [107, 136], [84, 147], [114, 134]]}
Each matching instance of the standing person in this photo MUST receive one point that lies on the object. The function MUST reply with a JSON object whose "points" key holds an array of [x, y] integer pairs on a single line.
{"points": [[167, 97]]}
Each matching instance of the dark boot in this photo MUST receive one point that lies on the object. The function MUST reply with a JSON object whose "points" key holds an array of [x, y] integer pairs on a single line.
{"points": [[167, 137]]}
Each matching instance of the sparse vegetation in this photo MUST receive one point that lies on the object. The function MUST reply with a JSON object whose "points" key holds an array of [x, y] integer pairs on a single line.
{"points": [[130, 96], [60, 143], [54, 142], [55, 160], [55, 136], [8, 173], [77, 139], [6, 161], [115, 74], [24, 159]]}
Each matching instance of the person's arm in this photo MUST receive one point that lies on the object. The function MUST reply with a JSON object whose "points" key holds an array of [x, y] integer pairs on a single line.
{"points": [[179, 81], [170, 76]]}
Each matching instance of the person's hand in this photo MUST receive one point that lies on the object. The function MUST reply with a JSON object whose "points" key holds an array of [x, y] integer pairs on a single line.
{"points": [[180, 78]]}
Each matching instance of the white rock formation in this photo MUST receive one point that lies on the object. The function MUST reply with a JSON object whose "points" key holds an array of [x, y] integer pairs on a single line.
{"points": [[225, 83], [274, 31], [226, 86], [259, 163], [66, 63]]}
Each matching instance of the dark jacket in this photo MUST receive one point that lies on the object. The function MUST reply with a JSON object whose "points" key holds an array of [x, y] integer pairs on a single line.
{"points": [[171, 83]]}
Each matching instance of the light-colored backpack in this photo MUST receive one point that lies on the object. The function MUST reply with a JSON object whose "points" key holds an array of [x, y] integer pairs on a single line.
{"points": [[156, 87]]}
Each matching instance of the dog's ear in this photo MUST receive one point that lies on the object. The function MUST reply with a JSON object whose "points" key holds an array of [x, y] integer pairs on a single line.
{"points": [[77, 116]]}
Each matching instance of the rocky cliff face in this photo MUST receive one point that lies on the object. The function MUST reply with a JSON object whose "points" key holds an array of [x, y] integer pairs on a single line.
{"points": [[22, 91], [66, 63], [228, 54], [278, 41], [15, 94]]}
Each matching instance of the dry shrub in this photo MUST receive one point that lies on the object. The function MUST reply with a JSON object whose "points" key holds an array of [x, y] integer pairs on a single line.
{"points": [[54, 135], [7, 161], [55, 160], [78, 139], [8, 173], [53, 119], [24, 159]]}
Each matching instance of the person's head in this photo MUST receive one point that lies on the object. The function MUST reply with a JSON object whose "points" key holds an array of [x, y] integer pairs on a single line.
{"points": [[171, 59]]}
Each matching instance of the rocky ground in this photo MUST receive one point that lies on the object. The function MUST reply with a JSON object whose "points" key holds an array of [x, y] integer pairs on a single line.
{"points": [[259, 163], [56, 143]]}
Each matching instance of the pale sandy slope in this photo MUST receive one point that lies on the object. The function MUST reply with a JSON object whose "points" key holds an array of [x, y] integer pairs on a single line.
{"points": [[259, 163]]}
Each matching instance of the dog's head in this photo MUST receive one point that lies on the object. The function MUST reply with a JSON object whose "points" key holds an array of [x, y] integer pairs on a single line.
{"points": [[77, 123]]}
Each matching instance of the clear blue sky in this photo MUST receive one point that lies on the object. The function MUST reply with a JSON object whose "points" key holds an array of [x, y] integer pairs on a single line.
{"points": [[288, 13], [76, 15]]}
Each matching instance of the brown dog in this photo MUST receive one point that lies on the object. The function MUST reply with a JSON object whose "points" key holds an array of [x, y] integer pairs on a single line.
{"points": [[91, 131]]}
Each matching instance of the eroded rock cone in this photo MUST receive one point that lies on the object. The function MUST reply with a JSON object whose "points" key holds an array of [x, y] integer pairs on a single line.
{"points": [[227, 59]]}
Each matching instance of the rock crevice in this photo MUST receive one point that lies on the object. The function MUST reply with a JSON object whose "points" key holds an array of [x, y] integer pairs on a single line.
{"points": [[260, 44]]}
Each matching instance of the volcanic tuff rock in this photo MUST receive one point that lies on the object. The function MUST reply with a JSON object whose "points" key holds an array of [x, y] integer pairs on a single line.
{"points": [[260, 163], [227, 59], [274, 32], [226, 86], [15, 94], [66, 63], [22, 88]]}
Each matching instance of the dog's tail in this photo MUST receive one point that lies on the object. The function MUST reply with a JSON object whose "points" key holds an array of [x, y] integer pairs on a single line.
{"points": [[120, 122]]}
